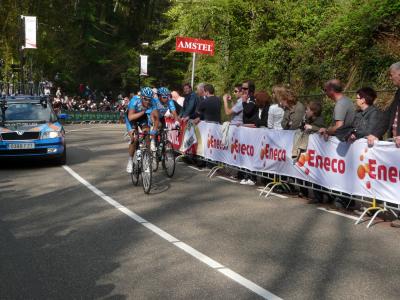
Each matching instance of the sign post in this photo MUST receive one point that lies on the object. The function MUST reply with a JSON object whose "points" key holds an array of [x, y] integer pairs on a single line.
{"points": [[191, 45]]}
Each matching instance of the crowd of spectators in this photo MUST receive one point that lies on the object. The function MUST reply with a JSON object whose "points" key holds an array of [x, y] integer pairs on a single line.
{"points": [[282, 110]]}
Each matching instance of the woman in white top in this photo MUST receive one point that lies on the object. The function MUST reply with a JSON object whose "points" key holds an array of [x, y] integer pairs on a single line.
{"points": [[276, 112]]}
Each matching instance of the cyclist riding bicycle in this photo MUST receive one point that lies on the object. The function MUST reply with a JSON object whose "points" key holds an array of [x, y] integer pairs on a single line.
{"points": [[165, 103], [142, 114]]}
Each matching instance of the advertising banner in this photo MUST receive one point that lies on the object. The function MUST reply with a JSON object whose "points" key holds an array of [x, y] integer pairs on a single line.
{"points": [[352, 168], [143, 65], [187, 44], [30, 32]]}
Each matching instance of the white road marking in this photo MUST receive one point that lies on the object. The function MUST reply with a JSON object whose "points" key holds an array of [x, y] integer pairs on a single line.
{"points": [[338, 213], [89, 128], [174, 241], [227, 179], [197, 169], [275, 194]]}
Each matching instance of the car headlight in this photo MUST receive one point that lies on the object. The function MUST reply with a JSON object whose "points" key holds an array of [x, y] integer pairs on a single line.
{"points": [[51, 134]]}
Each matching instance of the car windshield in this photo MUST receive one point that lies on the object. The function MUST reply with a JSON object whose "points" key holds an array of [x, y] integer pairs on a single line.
{"points": [[29, 112]]}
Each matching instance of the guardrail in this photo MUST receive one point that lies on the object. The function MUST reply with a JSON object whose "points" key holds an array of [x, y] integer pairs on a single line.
{"points": [[91, 117], [247, 151]]}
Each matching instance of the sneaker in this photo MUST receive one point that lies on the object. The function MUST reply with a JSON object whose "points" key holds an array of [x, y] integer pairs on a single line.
{"points": [[243, 181], [250, 182], [129, 166], [153, 146]]}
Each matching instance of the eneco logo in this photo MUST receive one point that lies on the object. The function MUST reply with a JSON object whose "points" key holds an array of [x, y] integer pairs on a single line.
{"points": [[214, 143], [238, 148], [314, 160], [375, 171]]}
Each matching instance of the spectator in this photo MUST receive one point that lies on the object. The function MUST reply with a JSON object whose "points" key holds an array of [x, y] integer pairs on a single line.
{"points": [[189, 105], [201, 96], [391, 122], [210, 108], [249, 103], [313, 121], [249, 119], [58, 92], [236, 112], [343, 117], [178, 101], [293, 110], [391, 117], [344, 112], [276, 112], [368, 117], [263, 101]]}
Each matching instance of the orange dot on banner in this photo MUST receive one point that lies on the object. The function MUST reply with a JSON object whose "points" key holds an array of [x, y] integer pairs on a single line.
{"points": [[361, 172], [301, 160], [361, 157], [368, 185], [307, 171], [366, 167], [262, 154], [306, 157], [366, 150]]}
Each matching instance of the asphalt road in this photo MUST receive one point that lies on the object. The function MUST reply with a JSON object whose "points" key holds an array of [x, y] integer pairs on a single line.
{"points": [[61, 240]]}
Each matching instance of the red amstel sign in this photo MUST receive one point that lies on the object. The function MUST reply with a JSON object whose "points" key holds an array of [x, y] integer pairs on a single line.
{"points": [[185, 44]]}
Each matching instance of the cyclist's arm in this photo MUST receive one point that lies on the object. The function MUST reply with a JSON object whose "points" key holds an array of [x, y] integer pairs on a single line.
{"points": [[133, 115], [155, 118]]}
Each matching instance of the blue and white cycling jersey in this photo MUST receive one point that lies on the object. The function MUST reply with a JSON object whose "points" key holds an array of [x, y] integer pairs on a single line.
{"points": [[164, 107], [136, 104]]}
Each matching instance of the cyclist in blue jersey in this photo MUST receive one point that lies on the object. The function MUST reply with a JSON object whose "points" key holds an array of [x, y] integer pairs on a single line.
{"points": [[142, 113], [165, 103]]}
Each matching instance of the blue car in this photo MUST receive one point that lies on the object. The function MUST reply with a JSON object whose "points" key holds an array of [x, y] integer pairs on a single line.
{"points": [[30, 128]]}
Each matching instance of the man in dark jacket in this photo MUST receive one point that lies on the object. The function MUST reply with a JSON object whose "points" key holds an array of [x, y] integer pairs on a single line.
{"points": [[189, 105], [210, 107]]}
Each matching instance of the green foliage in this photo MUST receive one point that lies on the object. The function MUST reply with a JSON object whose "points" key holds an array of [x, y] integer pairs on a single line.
{"points": [[303, 43]]}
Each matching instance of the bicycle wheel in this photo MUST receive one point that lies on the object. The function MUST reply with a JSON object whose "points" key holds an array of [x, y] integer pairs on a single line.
{"points": [[168, 159], [146, 171], [135, 172], [155, 160]]}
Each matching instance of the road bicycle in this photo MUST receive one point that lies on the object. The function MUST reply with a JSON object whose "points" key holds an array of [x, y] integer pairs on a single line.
{"points": [[142, 162], [164, 153]]}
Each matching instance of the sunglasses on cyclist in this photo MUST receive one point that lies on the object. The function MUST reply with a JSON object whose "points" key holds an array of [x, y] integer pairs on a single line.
{"points": [[146, 99]]}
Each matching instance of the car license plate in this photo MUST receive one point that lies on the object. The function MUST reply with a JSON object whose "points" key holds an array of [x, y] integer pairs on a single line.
{"points": [[21, 146]]}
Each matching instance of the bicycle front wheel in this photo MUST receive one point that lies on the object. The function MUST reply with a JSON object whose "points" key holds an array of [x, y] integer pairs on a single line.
{"points": [[168, 160], [147, 170], [135, 172]]}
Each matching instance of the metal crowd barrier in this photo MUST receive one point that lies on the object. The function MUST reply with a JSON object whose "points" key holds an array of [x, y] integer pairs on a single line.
{"points": [[286, 181], [91, 117]]}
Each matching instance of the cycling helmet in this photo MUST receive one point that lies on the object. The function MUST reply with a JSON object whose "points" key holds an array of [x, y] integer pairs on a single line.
{"points": [[146, 92], [163, 91]]}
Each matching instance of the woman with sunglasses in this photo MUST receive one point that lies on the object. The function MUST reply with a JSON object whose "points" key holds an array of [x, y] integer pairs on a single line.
{"points": [[236, 112]]}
